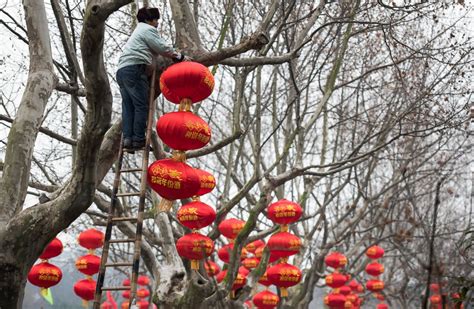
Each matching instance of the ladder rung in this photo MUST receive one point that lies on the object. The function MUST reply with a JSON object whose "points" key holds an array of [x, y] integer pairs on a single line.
{"points": [[128, 170], [116, 288], [128, 194], [120, 264], [120, 219], [114, 241]]}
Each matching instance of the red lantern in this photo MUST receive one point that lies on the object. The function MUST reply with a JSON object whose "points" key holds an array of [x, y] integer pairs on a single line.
{"points": [[251, 247], [143, 304], [335, 260], [143, 293], [345, 290], [375, 252], [221, 275], [259, 254], [374, 269], [266, 300], [284, 275], [88, 264], [244, 271], [360, 288], [173, 180], [379, 296], [91, 239], [248, 303], [194, 247], [126, 294], [207, 182], [239, 282], [348, 305], [375, 285], [186, 80], [353, 285], [353, 298], [54, 248], [85, 289], [264, 280], [196, 215], [284, 244], [212, 268], [126, 282], [336, 280], [183, 130], [284, 212], [434, 287], [143, 280], [251, 262], [335, 300], [44, 275], [106, 305], [125, 305], [230, 228], [435, 299], [382, 306]]}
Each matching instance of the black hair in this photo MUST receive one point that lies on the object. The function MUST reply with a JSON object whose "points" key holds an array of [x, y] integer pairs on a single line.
{"points": [[147, 14]]}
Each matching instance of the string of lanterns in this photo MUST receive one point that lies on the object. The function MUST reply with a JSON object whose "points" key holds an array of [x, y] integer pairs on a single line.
{"points": [[142, 293], [375, 269]]}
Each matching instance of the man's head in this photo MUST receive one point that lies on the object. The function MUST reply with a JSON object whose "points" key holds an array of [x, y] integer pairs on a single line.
{"points": [[148, 15]]}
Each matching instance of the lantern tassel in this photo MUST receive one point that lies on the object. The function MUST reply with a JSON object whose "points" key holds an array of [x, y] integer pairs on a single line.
{"points": [[185, 105], [165, 205], [195, 264], [284, 228], [85, 303], [179, 155], [284, 292]]}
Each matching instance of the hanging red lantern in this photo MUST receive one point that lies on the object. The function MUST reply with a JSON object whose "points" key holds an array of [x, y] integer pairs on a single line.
{"points": [[259, 254], [126, 294], [251, 247], [348, 305], [284, 212], [173, 180], [244, 271], [375, 252], [284, 275], [434, 287], [106, 305], [353, 298], [379, 296], [206, 180], [264, 280], [284, 244], [143, 293], [88, 264], [126, 282], [194, 247], [336, 280], [360, 288], [345, 290], [44, 275], [85, 289], [335, 260], [125, 305], [435, 299], [143, 304], [375, 285], [382, 306], [353, 285], [230, 228], [334, 300], [186, 80], [239, 282], [54, 248], [225, 252], [196, 215], [221, 275], [251, 262], [183, 130], [143, 280], [374, 269], [265, 300], [212, 268], [91, 239]]}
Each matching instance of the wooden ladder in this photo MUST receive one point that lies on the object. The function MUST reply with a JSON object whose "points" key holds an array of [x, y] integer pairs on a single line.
{"points": [[114, 219]]}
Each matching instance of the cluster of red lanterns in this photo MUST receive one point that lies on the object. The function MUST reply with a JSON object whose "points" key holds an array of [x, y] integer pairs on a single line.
{"points": [[143, 293], [375, 269], [183, 83], [88, 264], [44, 274], [343, 295]]}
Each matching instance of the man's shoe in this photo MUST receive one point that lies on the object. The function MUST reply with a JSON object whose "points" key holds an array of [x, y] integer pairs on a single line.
{"points": [[138, 145], [127, 143]]}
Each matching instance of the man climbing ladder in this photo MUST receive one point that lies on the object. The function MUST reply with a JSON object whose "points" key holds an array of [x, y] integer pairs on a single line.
{"points": [[132, 77]]}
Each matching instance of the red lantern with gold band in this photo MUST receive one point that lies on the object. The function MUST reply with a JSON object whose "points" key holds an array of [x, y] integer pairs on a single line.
{"points": [[91, 239], [353, 285], [230, 228], [284, 212], [85, 289], [335, 300], [375, 285], [186, 80], [353, 298], [143, 304], [196, 215], [207, 182], [345, 290], [264, 280], [126, 294], [173, 180], [251, 247], [54, 248], [88, 264], [336, 280], [44, 275], [183, 130], [143, 280], [265, 300], [259, 254], [251, 262], [143, 293], [284, 244], [435, 299], [240, 279], [382, 306], [225, 252], [335, 260], [212, 268], [374, 269], [379, 296], [284, 275], [194, 247], [375, 252], [434, 287]]}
